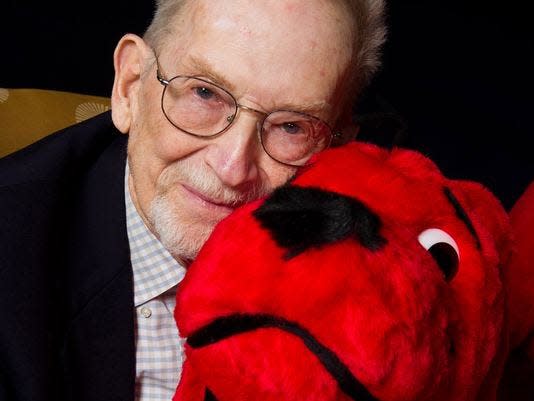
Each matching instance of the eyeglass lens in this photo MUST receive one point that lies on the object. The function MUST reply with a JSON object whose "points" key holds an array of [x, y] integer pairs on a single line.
{"points": [[201, 108]]}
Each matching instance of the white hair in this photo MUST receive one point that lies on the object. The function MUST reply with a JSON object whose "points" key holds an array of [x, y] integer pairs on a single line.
{"points": [[369, 34], [181, 239], [369, 21]]}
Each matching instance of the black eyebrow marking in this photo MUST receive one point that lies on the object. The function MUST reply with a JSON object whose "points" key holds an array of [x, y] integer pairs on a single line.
{"points": [[209, 396], [227, 326], [462, 215], [300, 218]]}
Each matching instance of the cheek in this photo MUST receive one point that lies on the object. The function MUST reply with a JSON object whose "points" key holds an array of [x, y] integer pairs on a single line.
{"points": [[154, 140], [153, 145], [276, 174], [152, 151]]}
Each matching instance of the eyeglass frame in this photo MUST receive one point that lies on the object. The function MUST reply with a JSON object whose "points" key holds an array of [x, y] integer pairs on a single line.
{"points": [[259, 125]]}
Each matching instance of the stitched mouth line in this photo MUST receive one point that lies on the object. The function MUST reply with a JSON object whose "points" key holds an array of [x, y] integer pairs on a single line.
{"points": [[228, 326]]}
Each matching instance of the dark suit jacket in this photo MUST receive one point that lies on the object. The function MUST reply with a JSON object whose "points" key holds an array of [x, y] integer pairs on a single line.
{"points": [[66, 288]]}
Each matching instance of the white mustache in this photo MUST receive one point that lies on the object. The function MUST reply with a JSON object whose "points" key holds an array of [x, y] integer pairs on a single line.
{"points": [[209, 186]]}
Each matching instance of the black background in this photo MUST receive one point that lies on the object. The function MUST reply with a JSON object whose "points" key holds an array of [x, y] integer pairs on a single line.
{"points": [[456, 83]]}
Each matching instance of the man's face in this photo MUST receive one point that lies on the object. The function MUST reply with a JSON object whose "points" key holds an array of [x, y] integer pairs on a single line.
{"points": [[270, 55]]}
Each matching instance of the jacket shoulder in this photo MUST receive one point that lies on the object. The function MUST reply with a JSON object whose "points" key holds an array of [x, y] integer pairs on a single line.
{"points": [[61, 155]]}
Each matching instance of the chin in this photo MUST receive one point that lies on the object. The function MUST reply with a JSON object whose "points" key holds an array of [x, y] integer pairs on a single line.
{"points": [[181, 235]]}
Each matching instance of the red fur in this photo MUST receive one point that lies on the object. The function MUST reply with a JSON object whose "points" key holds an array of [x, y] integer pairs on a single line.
{"points": [[389, 314], [521, 270], [517, 383]]}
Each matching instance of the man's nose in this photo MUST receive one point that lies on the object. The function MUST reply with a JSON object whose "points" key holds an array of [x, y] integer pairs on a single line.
{"points": [[234, 155]]}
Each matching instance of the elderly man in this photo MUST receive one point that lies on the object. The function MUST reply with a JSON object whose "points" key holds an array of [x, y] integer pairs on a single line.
{"points": [[221, 101]]}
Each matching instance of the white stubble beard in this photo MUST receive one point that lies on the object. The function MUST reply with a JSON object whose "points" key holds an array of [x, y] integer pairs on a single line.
{"points": [[180, 231]]}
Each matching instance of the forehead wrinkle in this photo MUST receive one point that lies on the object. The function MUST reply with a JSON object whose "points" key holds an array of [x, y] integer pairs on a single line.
{"points": [[200, 67], [246, 30]]}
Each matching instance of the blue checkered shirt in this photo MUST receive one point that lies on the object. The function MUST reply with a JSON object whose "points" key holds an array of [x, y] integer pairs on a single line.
{"points": [[159, 349]]}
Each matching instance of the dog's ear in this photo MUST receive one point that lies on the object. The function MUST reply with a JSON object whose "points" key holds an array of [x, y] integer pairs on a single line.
{"points": [[300, 218], [489, 220]]}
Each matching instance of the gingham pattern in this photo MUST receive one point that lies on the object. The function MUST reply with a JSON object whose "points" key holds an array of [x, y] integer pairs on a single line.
{"points": [[159, 349]]}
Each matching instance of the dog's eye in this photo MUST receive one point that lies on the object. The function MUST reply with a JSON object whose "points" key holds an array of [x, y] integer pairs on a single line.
{"points": [[443, 249]]}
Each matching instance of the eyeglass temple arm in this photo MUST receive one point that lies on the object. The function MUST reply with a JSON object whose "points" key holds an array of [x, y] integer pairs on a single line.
{"points": [[160, 78]]}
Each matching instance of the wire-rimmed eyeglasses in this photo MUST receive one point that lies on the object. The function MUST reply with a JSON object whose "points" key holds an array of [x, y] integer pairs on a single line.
{"points": [[203, 109]]}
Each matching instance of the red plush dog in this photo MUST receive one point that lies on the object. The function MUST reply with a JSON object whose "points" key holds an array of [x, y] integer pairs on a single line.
{"points": [[370, 277]]}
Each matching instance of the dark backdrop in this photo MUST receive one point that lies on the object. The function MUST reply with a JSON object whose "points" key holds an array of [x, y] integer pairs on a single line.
{"points": [[456, 82]]}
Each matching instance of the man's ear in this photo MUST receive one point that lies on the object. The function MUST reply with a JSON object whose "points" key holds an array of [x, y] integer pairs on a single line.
{"points": [[128, 60]]}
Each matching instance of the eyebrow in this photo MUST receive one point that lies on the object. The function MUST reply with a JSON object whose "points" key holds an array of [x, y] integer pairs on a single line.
{"points": [[202, 68], [312, 108], [462, 215]]}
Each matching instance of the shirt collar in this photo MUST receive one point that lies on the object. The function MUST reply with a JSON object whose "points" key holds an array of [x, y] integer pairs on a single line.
{"points": [[154, 269]]}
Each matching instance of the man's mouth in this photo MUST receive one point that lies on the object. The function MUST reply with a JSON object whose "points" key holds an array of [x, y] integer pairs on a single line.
{"points": [[210, 202]]}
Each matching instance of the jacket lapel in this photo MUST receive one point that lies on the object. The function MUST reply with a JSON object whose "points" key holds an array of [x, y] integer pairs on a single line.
{"points": [[99, 352]]}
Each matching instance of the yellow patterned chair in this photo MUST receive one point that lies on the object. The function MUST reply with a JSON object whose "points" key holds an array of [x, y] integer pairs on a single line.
{"points": [[27, 115]]}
